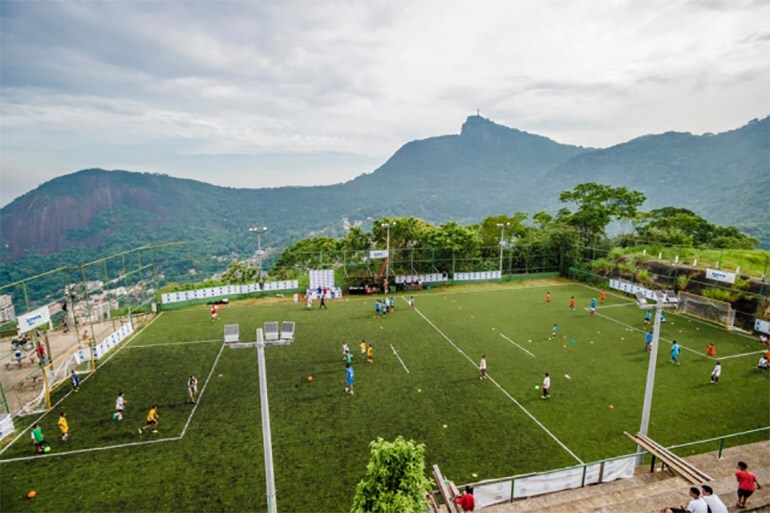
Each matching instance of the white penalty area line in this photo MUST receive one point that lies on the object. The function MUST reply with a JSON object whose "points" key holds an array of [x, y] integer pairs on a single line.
{"points": [[515, 344], [163, 344], [739, 355], [504, 391], [84, 380], [399, 358], [129, 444]]}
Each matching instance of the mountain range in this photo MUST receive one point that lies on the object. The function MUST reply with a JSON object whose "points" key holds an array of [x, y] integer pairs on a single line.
{"points": [[484, 170]]}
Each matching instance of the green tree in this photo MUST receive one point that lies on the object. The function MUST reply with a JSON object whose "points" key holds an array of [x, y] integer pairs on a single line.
{"points": [[395, 478], [598, 205]]}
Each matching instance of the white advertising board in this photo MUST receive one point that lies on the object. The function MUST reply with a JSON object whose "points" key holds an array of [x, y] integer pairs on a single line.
{"points": [[717, 275], [30, 321], [378, 253]]}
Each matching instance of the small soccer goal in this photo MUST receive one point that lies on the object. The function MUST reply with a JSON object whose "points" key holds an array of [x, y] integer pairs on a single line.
{"points": [[232, 334], [720, 312]]}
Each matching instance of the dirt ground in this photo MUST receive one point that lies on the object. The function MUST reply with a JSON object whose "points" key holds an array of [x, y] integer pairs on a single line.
{"points": [[22, 379]]}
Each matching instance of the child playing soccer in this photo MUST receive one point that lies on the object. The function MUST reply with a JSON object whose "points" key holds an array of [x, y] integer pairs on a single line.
{"points": [[120, 405], [546, 386], [554, 331], [572, 303], [602, 296], [483, 367], [592, 306], [711, 350], [63, 427], [192, 389], [362, 345], [675, 353], [716, 373], [370, 354], [348, 379], [75, 380], [152, 420], [38, 440], [411, 302], [547, 297], [213, 312], [647, 317]]}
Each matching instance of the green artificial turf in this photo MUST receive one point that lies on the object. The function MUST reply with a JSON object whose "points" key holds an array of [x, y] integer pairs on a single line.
{"points": [[494, 428]]}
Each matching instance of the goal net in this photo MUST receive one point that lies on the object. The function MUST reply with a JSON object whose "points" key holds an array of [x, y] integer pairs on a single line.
{"points": [[56, 374], [720, 312]]}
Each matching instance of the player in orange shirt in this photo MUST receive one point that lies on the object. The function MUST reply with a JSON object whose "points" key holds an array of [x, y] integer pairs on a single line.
{"points": [[711, 350], [602, 296], [547, 297], [572, 303]]}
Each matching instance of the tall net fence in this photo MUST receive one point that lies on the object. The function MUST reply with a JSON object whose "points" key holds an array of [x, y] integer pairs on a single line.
{"points": [[48, 317], [719, 312]]}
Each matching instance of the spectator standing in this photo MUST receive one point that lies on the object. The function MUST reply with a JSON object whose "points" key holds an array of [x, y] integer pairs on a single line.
{"points": [[747, 483]]}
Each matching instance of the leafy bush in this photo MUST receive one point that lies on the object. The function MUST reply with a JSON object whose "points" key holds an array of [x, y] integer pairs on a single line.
{"points": [[682, 281], [643, 276], [395, 478], [718, 294]]}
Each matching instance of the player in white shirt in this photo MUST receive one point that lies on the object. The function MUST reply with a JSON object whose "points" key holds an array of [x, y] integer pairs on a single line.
{"points": [[483, 367], [716, 373], [546, 386], [120, 405]]}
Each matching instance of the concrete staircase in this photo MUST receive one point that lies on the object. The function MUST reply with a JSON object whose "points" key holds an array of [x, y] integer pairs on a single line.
{"points": [[649, 492]]}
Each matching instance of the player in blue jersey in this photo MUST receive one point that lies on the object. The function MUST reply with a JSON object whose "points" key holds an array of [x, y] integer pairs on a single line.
{"points": [[348, 379], [675, 348], [592, 306], [648, 341]]}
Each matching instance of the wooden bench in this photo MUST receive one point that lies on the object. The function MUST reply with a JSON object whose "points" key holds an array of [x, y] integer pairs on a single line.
{"points": [[444, 490], [677, 465], [33, 379], [19, 361]]}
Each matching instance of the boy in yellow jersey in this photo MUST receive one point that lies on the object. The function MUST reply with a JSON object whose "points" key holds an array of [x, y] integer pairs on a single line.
{"points": [[64, 427], [370, 354], [363, 349], [152, 420]]}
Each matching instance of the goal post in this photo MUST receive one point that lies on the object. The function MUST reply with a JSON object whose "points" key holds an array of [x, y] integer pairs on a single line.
{"points": [[719, 312]]}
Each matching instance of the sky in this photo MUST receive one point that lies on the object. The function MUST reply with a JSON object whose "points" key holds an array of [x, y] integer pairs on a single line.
{"points": [[271, 93]]}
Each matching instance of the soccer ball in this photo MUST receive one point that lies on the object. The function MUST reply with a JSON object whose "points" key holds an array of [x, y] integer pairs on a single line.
{"points": [[31, 494], [537, 387], [47, 449], [309, 379]]}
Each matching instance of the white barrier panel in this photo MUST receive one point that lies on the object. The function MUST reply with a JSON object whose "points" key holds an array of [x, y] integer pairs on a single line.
{"points": [[105, 345], [488, 494], [6, 425], [548, 483], [422, 278], [619, 469], [332, 293], [632, 288], [477, 275], [762, 326], [212, 292]]}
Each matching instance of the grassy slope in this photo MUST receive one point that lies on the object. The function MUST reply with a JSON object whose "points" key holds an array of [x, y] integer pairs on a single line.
{"points": [[321, 436]]}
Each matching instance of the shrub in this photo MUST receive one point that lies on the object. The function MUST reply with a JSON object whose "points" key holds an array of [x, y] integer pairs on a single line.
{"points": [[718, 294], [682, 281], [395, 478]]}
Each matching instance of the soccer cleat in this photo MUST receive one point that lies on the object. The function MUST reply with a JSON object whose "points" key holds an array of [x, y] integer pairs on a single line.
{"points": [[140, 431], [154, 430]]}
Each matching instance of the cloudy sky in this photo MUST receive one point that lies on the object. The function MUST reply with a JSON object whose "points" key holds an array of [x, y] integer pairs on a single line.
{"points": [[261, 94]]}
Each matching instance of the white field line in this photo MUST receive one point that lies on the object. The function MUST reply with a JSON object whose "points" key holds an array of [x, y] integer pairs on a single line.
{"points": [[515, 344], [91, 449], [502, 389], [602, 307], [739, 355], [659, 338], [161, 344], [128, 341], [680, 315], [200, 396], [399, 358], [432, 293]]}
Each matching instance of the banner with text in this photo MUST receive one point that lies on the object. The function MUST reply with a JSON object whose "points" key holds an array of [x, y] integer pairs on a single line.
{"points": [[717, 275], [378, 253], [33, 319]]}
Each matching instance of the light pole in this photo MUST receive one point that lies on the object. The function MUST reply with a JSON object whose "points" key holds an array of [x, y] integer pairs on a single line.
{"points": [[387, 228], [267, 443], [259, 231], [502, 227], [663, 300]]}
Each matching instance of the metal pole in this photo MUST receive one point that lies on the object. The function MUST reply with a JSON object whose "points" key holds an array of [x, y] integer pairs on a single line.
{"points": [[502, 229], [387, 267], [650, 380], [265, 409]]}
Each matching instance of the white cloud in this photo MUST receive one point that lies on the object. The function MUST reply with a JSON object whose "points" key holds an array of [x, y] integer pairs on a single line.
{"points": [[145, 85]]}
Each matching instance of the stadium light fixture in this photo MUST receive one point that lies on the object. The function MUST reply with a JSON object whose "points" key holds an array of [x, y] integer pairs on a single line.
{"points": [[502, 227], [663, 302], [259, 231]]}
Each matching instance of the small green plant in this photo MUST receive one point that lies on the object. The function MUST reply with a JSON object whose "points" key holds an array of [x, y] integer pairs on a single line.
{"points": [[395, 478], [741, 283], [643, 276], [682, 281], [718, 294], [627, 268]]}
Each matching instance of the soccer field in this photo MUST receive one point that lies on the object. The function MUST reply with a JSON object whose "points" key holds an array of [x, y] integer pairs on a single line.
{"points": [[423, 384]]}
